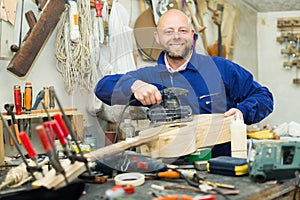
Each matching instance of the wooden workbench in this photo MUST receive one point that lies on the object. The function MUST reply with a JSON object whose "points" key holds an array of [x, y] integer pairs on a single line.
{"points": [[76, 119], [248, 190]]}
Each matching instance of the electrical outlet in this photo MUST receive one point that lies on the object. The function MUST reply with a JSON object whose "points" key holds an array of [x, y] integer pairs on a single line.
{"points": [[7, 39]]}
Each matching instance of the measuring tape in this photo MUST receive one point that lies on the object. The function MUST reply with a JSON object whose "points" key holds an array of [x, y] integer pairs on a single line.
{"points": [[134, 179]]}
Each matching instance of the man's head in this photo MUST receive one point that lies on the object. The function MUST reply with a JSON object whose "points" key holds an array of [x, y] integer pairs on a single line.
{"points": [[174, 34]]}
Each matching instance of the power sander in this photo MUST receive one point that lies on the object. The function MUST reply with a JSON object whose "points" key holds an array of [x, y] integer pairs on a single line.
{"points": [[171, 110]]}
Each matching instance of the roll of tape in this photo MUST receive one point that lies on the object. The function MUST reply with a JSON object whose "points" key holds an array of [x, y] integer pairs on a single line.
{"points": [[134, 179]]}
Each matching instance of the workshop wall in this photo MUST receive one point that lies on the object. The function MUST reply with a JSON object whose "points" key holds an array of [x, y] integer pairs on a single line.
{"points": [[271, 71], [251, 51]]}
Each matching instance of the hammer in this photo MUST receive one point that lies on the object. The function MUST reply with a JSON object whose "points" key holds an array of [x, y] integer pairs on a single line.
{"points": [[9, 108]]}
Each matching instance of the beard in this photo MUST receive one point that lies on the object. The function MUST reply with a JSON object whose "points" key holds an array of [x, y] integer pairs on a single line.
{"points": [[178, 55]]}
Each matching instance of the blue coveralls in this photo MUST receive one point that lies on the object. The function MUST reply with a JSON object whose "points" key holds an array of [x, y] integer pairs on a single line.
{"points": [[215, 85]]}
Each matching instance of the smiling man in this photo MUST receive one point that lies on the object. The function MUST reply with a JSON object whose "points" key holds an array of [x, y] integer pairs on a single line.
{"points": [[215, 84]]}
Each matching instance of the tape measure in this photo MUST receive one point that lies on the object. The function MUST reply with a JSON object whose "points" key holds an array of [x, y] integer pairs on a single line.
{"points": [[134, 179]]}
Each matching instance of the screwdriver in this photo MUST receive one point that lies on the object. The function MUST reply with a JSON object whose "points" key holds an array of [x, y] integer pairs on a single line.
{"points": [[167, 174], [30, 151], [39, 97]]}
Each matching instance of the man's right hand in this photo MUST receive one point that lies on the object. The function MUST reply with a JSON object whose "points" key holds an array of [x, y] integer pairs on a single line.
{"points": [[146, 93]]}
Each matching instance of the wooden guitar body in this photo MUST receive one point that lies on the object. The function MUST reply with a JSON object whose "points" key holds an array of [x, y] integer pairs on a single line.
{"points": [[213, 50], [144, 35]]}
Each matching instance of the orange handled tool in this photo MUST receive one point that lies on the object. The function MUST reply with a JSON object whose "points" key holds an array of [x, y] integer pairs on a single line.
{"points": [[166, 174], [28, 97], [11, 141], [169, 174], [9, 108]]}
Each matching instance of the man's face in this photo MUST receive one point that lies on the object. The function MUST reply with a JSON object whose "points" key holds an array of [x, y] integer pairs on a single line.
{"points": [[175, 37]]}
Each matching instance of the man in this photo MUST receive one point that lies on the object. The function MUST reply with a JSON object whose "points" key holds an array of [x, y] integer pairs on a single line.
{"points": [[215, 85]]}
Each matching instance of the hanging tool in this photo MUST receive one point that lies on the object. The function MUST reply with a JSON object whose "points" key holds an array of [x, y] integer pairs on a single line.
{"points": [[24, 58], [51, 97], [49, 149], [28, 97], [28, 103], [14, 47], [39, 97], [46, 97], [11, 141], [18, 99], [9, 108]]}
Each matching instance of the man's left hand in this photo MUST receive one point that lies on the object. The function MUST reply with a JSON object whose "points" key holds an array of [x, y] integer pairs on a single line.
{"points": [[234, 112]]}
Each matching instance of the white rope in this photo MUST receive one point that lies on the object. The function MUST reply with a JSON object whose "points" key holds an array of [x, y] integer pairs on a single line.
{"points": [[77, 62]]}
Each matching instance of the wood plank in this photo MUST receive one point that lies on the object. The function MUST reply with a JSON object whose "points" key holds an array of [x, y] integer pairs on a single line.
{"points": [[53, 180], [24, 58]]}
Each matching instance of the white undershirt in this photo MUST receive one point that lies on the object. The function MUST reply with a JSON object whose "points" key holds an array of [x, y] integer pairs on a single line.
{"points": [[182, 67]]}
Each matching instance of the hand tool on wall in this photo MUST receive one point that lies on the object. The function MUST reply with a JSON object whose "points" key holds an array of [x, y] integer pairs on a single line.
{"points": [[46, 97], [28, 97], [9, 108], [49, 149], [18, 99], [51, 97], [28, 103], [41, 4], [39, 97], [11, 141], [17, 146], [23, 59]]}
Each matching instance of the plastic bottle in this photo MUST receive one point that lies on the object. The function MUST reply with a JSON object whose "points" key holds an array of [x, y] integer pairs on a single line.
{"points": [[128, 129], [238, 131], [91, 141]]}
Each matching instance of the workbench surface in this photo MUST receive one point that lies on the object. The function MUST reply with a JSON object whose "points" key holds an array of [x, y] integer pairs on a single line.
{"points": [[247, 189]]}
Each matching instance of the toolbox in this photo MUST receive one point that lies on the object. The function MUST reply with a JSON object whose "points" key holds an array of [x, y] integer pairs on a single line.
{"points": [[229, 166]]}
